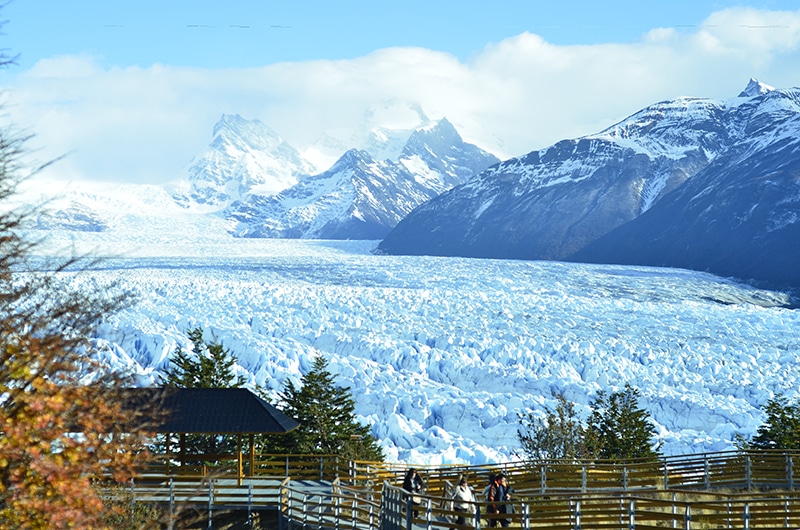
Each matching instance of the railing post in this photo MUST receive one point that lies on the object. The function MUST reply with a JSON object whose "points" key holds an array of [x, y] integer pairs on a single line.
{"points": [[250, 504], [133, 497], [210, 501], [305, 511], [526, 516], [577, 515], [786, 511], [687, 518], [624, 478], [631, 514], [320, 468], [666, 476], [409, 513], [428, 514], [746, 516], [543, 479], [747, 473], [287, 465], [477, 519], [674, 511], [337, 511], [171, 504], [790, 471], [706, 473], [583, 479]]}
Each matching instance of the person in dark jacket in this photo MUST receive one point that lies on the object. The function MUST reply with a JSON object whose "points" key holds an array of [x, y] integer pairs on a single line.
{"points": [[497, 498], [413, 484]]}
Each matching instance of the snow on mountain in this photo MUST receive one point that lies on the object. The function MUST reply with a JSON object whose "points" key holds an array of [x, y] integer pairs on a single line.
{"points": [[383, 131], [265, 188], [739, 216], [99, 207], [551, 203], [244, 156], [441, 354], [360, 197], [755, 88]]}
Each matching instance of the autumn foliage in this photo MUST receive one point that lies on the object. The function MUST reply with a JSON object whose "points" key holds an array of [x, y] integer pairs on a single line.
{"points": [[64, 428]]}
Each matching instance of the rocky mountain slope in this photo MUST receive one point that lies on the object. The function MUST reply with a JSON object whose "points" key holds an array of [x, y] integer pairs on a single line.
{"points": [[552, 203], [739, 216]]}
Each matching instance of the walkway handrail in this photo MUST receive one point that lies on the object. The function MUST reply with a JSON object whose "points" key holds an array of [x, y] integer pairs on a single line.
{"points": [[747, 470]]}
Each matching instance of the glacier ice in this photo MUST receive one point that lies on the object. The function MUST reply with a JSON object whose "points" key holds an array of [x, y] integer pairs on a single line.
{"points": [[442, 354]]}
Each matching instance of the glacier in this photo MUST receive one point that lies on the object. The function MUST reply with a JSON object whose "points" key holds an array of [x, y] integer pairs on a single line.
{"points": [[442, 354]]}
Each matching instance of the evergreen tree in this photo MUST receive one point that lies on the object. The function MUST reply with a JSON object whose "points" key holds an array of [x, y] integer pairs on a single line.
{"points": [[326, 413], [618, 429], [782, 428], [559, 435], [211, 366]]}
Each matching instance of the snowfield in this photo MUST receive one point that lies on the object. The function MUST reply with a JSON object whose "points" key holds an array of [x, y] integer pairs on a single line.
{"points": [[442, 354]]}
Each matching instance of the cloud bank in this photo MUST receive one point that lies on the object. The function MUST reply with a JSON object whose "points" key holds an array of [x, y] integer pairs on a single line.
{"points": [[523, 93]]}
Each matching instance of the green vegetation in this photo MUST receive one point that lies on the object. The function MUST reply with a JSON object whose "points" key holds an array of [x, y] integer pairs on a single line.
{"points": [[782, 427], [210, 367], [557, 436], [326, 413], [617, 429]]}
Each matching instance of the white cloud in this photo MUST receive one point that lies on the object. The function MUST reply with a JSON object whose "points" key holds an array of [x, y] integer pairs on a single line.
{"points": [[145, 124]]}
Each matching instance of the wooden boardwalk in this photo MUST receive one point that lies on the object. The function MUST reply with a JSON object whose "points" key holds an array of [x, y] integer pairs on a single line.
{"points": [[720, 490]]}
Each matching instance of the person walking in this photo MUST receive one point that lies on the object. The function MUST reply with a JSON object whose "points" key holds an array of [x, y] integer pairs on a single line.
{"points": [[413, 484], [463, 500], [497, 498]]}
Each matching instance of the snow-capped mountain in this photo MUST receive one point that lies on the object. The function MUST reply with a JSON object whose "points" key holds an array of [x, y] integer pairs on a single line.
{"points": [[551, 203], [244, 156], [265, 188], [739, 216], [383, 131], [360, 197]]}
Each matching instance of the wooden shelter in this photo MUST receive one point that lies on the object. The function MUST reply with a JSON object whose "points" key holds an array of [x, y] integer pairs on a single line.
{"points": [[210, 411]]}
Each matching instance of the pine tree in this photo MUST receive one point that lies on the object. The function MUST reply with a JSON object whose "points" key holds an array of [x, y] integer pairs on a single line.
{"points": [[326, 413], [618, 429], [782, 428], [211, 366]]}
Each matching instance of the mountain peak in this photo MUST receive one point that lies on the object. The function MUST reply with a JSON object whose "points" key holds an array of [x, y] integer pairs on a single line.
{"points": [[242, 127], [755, 88], [352, 157]]}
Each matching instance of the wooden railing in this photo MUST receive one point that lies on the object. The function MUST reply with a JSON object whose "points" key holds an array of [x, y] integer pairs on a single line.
{"points": [[734, 470], [716, 490], [685, 510], [302, 467]]}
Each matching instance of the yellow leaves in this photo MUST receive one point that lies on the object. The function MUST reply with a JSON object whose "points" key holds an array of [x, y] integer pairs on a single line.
{"points": [[46, 470]]}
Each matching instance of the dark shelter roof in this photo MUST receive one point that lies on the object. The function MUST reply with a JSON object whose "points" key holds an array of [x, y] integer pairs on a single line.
{"points": [[211, 410]]}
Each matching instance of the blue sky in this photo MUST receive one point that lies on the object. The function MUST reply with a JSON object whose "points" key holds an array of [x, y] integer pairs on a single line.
{"points": [[130, 91], [236, 33]]}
